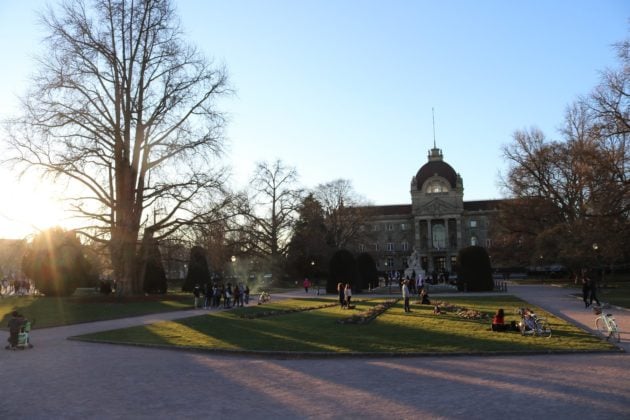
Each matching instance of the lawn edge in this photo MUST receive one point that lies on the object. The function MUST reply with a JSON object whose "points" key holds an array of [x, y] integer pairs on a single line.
{"points": [[339, 355]]}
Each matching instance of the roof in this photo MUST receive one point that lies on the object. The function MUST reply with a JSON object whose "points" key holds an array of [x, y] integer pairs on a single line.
{"points": [[482, 205], [439, 168], [390, 210]]}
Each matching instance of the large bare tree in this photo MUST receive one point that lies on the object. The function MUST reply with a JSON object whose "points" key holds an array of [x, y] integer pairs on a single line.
{"points": [[124, 107], [275, 199], [574, 192], [345, 212]]}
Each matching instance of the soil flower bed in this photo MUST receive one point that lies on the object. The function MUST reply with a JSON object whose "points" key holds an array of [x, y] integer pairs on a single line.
{"points": [[367, 316], [461, 311]]}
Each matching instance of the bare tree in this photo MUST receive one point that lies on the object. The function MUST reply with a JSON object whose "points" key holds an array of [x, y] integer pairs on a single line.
{"points": [[274, 203], [574, 192], [344, 210], [125, 108]]}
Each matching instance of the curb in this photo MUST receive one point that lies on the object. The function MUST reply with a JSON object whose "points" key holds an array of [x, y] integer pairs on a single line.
{"points": [[331, 355]]}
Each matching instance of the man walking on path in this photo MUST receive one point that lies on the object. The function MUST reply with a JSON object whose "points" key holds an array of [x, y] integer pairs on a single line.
{"points": [[405, 295]]}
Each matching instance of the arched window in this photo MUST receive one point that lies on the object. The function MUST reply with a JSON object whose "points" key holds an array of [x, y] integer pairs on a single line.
{"points": [[439, 236]]}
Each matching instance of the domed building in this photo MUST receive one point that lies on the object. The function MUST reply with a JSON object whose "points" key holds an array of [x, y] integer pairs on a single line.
{"points": [[436, 225]]}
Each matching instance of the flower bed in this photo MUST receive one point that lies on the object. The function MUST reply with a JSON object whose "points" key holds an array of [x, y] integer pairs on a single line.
{"points": [[461, 311], [367, 316]]}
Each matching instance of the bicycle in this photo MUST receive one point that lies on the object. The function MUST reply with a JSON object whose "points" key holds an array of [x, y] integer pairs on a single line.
{"points": [[531, 324], [606, 324]]}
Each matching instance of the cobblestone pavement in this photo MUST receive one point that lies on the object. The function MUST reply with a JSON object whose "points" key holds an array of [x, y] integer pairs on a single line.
{"points": [[62, 379]]}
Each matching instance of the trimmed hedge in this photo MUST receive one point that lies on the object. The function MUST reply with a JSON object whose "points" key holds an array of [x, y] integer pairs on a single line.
{"points": [[474, 272]]}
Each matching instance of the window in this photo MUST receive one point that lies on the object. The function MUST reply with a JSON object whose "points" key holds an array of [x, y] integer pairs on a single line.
{"points": [[473, 223], [377, 247], [390, 226], [390, 262], [404, 226], [473, 241], [375, 227], [405, 263], [362, 247], [488, 243], [390, 246], [404, 246], [439, 236], [436, 187]]}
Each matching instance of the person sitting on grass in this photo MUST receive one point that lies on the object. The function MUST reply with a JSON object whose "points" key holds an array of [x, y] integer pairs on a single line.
{"points": [[424, 296], [498, 322]]}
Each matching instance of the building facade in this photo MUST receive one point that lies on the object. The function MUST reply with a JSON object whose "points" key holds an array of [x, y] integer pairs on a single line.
{"points": [[437, 223]]}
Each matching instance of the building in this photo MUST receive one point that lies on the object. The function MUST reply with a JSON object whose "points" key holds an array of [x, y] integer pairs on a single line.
{"points": [[437, 223]]}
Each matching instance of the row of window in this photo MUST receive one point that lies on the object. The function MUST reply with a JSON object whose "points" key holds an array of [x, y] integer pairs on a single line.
{"points": [[404, 246], [389, 246], [390, 226], [405, 226]]}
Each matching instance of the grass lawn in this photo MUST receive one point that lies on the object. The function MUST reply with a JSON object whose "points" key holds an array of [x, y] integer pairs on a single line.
{"points": [[616, 294], [55, 311], [394, 331]]}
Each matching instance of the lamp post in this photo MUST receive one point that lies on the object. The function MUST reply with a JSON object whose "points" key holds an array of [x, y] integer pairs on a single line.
{"points": [[313, 275], [233, 259], [599, 263]]}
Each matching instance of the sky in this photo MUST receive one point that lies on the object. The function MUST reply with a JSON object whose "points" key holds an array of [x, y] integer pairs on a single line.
{"points": [[346, 88]]}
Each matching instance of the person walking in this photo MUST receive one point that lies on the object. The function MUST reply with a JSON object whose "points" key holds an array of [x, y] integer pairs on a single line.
{"points": [[348, 295], [405, 295], [592, 288], [196, 295], [306, 284], [342, 295]]}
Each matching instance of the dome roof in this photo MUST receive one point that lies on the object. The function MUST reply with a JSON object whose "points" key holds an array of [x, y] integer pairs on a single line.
{"points": [[436, 166]]}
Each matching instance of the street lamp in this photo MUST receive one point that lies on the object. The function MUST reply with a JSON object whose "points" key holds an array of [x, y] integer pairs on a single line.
{"points": [[599, 261], [233, 259]]}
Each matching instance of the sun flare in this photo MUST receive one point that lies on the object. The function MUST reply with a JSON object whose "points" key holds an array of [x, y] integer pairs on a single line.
{"points": [[29, 205]]}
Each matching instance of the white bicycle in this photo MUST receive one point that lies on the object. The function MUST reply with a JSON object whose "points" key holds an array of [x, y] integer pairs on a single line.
{"points": [[606, 325]]}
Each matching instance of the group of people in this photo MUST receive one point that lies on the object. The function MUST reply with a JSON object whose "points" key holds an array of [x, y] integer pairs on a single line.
{"points": [[589, 288], [407, 292], [15, 286], [16, 323], [217, 295], [345, 294]]}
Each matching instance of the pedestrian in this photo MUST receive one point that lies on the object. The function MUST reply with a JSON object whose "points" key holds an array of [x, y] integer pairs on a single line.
{"points": [[207, 291], [592, 288], [246, 294], [584, 279], [405, 295], [342, 295], [348, 295], [15, 325], [196, 295], [227, 300], [306, 284]]}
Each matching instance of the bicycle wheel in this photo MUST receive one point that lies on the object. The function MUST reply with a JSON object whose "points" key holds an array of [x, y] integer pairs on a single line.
{"points": [[543, 329], [601, 326], [614, 331]]}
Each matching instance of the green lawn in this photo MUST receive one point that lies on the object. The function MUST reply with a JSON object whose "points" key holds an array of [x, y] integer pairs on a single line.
{"points": [[395, 331], [55, 311]]}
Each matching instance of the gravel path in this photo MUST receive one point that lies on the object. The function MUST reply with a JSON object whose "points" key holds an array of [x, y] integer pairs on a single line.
{"points": [[62, 379]]}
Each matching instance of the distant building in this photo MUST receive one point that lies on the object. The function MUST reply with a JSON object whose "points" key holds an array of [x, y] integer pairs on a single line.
{"points": [[437, 223]]}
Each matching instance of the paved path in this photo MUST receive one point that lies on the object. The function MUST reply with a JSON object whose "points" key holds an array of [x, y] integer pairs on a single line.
{"points": [[76, 380]]}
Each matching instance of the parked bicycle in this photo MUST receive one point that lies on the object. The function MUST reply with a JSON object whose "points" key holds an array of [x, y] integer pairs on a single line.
{"points": [[532, 324], [606, 325]]}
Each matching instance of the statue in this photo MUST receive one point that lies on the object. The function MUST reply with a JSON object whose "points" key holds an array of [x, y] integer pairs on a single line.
{"points": [[413, 265]]}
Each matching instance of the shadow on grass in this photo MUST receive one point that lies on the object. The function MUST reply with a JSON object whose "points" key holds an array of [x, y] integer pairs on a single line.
{"points": [[316, 331]]}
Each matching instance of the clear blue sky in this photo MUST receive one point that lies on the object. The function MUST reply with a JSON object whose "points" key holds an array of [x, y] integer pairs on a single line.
{"points": [[344, 88]]}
